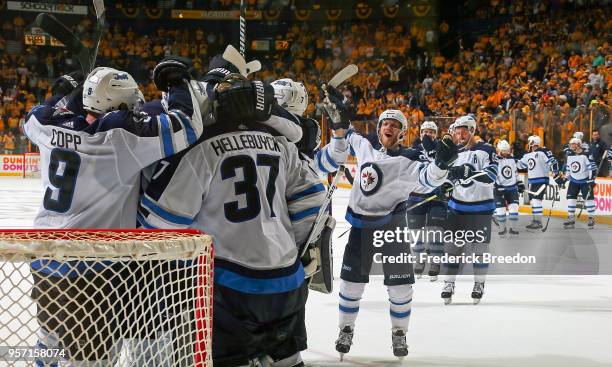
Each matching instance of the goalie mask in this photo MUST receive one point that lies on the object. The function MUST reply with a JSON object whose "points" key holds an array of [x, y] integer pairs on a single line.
{"points": [[291, 95], [534, 141], [396, 115], [107, 89]]}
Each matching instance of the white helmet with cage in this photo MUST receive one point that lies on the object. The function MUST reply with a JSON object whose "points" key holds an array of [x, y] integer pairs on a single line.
{"points": [[429, 125], [575, 140], [107, 89], [579, 135], [503, 146], [291, 95], [534, 140]]}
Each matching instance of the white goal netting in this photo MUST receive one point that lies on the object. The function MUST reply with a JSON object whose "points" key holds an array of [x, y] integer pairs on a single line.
{"points": [[105, 298]]}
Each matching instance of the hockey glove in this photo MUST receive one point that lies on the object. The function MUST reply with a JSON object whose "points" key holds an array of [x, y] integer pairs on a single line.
{"points": [[446, 152], [67, 83], [428, 143], [239, 100], [337, 107], [521, 187], [444, 190], [560, 181], [311, 136], [218, 69], [171, 71], [462, 172]]}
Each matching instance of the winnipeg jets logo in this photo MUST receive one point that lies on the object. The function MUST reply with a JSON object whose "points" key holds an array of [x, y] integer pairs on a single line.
{"points": [[531, 163], [575, 167], [370, 178], [506, 172]]}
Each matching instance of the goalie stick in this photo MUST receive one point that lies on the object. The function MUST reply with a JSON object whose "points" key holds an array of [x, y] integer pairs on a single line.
{"points": [[244, 68], [344, 74], [100, 28]]}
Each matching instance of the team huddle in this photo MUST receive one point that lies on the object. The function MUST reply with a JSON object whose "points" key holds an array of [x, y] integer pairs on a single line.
{"points": [[235, 158]]}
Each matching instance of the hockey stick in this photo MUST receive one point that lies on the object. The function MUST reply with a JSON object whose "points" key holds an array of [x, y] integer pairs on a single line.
{"points": [[459, 182], [57, 29], [550, 211], [242, 28], [536, 193], [100, 28], [317, 227], [344, 74], [235, 58]]}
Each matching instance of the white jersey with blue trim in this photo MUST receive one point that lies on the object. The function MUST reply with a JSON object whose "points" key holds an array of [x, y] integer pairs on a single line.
{"points": [[538, 163], [580, 167], [91, 172], [507, 174], [474, 195], [425, 157], [384, 179], [251, 191]]}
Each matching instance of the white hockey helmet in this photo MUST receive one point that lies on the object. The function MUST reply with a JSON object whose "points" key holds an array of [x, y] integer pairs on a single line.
{"points": [[466, 121], [575, 140], [503, 146], [429, 125], [291, 95], [534, 140], [106, 89], [396, 115], [579, 135]]}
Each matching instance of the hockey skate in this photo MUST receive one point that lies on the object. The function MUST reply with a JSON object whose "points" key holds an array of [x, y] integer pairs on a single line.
{"points": [[477, 292], [502, 232], [447, 292], [534, 225], [345, 340], [569, 224], [513, 232], [434, 271], [591, 223], [398, 339]]}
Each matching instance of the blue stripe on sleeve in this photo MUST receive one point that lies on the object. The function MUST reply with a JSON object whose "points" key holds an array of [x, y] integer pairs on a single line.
{"points": [[191, 135], [166, 135], [330, 160], [173, 218], [311, 190], [304, 213]]}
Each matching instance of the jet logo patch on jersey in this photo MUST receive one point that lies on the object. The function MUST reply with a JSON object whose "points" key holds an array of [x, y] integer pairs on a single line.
{"points": [[506, 172], [370, 178], [575, 167], [531, 163]]}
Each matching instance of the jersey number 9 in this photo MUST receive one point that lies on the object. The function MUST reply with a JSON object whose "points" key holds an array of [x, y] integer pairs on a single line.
{"points": [[63, 170]]}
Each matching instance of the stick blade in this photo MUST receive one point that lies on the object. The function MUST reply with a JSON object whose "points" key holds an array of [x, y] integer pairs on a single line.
{"points": [[344, 74], [253, 66], [99, 8], [232, 55]]}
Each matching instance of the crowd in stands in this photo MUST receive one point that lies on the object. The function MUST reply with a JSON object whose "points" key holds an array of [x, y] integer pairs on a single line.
{"points": [[536, 71]]}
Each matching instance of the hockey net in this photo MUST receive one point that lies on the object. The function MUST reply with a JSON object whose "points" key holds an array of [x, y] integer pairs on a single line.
{"points": [[105, 298]]}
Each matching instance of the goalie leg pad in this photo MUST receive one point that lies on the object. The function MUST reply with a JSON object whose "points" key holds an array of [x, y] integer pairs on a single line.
{"points": [[323, 278]]}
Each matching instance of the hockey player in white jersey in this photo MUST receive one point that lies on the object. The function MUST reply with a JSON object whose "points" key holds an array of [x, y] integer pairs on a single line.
{"points": [[378, 203], [539, 161], [259, 200], [580, 170], [432, 214], [90, 167], [471, 204], [507, 188], [293, 97]]}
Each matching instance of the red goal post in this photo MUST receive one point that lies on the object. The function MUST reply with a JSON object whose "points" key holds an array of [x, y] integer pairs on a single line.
{"points": [[141, 297]]}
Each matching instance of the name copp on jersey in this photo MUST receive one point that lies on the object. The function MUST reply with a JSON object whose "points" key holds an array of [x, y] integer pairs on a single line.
{"points": [[538, 164], [91, 173], [385, 178], [249, 190], [507, 174], [579, 168], [473, 195]]}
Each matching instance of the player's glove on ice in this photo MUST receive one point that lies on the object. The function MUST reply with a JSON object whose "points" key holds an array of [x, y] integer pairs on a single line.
{"points": [[446, 152], [171, 71]]}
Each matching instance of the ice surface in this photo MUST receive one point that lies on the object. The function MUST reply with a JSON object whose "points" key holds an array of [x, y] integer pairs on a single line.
{"points": [[522, 320]]}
